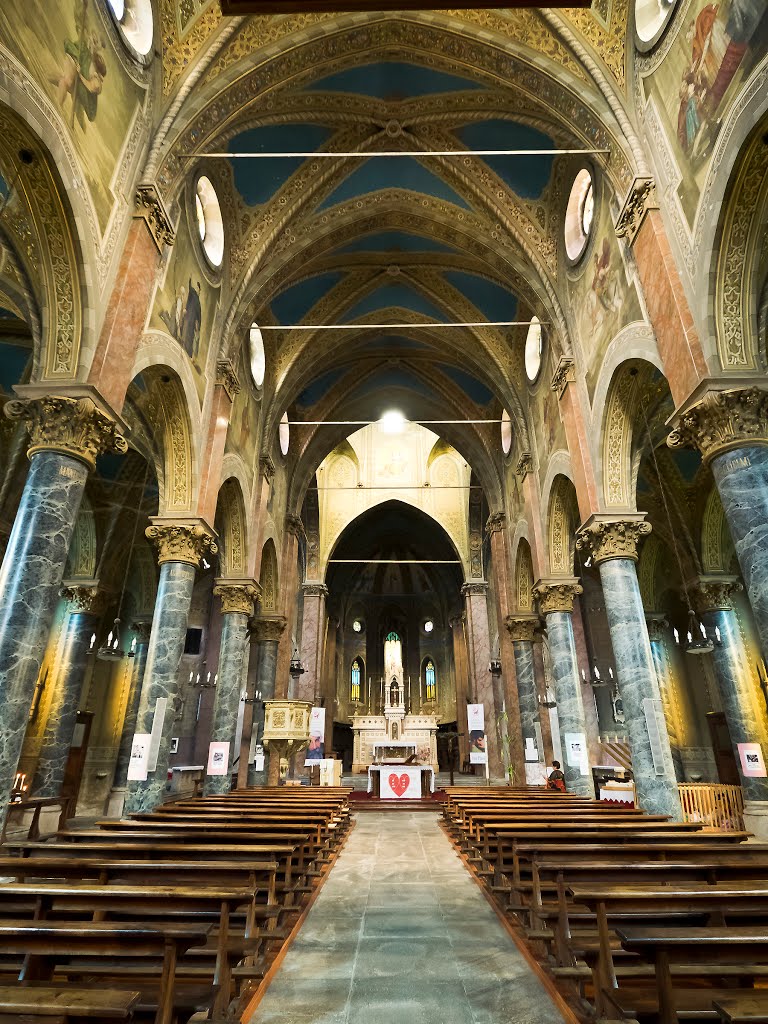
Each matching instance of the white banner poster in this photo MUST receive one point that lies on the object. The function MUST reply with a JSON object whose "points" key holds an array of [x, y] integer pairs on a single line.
{"points": [[137, 766], [218, 759], [576, 753], [316, 751], [752, 763], [478, 752], [157, 732]]}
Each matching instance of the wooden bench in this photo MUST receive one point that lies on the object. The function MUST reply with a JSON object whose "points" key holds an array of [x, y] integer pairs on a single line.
{"points": [[64, 1005], [748, 1008], [37, 804], [46, 944]]}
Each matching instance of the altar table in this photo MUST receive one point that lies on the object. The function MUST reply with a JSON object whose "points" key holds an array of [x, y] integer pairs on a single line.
{"points": [[400, 782]]}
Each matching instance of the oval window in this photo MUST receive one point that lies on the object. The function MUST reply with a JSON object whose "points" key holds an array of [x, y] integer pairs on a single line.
{"points": [[651, 18], [135, 22], [210, 224], [429, 626], [506, 432], [284, 434], [533, 349], [579, 215], [256, 356]]}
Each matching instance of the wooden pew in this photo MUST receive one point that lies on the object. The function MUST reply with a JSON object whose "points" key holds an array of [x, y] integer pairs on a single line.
{"points": [[64, 1005], [46, 944]]}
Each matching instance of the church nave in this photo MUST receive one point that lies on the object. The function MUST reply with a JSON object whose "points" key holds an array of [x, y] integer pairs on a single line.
{"points": [[401, 932]]}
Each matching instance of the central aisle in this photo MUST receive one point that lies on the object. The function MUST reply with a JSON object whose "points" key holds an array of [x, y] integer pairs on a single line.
{"points": [[401, 932]]}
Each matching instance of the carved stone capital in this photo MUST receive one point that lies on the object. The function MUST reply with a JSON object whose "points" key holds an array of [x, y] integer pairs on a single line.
{"points": [[562, 376], [556, 595], [714, 593], [457, 621], [266, 627], [474, 587], [267, 467], [496, 522], [658, 627], [721, 421], [150, 207], [181, 540], [236, 595], [227, 378], [640, 199], [522, 627], [142, 631], [84, 596], [314, 590], [605, 537], [73, 424], [295, 526], [524, 465]]}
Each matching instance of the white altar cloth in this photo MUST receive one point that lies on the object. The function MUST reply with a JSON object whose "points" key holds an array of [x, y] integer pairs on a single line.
{"points": [[400, 782]]}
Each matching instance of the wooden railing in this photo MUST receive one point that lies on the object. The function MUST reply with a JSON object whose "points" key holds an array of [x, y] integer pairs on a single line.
{"points": [[719, 808]]}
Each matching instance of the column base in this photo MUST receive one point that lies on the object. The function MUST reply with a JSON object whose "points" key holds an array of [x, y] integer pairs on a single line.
{"points": [[116, 802], [756, 818]]}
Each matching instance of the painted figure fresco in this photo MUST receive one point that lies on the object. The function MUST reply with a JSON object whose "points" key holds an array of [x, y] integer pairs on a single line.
{"points": [[716, 47], [604, 299], [65, 46], [185, 304]]}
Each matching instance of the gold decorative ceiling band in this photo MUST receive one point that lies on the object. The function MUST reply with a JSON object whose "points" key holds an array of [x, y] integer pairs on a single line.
{"points": [[366, 155], [395, 327]]}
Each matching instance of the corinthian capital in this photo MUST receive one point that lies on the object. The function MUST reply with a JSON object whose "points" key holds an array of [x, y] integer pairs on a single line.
{"points": [[84, 596], [522, 627], [608, 537], [226, 376], [721, 421], [562, 376], [181, 540], [267, 627], [640, 199], [714, 593], [314, 590], [556, 595], [236, 595], [474, 588], [294, 525], [73, 423], [496, 522], [150, 207]]}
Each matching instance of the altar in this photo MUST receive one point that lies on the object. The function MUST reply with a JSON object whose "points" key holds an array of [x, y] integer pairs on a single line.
{"points": [[394, 737], [400, 782]]}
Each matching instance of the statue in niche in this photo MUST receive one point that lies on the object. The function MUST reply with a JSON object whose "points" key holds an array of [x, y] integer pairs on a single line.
{"points": [[395, 731]]}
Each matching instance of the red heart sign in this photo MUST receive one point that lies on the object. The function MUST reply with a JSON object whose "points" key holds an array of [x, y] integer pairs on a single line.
{"points": [[398, 785]]}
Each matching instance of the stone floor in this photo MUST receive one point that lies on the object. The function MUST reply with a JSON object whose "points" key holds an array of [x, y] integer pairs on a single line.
{"points": [[401, 933]]}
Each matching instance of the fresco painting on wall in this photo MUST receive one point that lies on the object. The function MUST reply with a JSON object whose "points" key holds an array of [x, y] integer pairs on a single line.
{"points": [[548, 432], [603, 298], [65, 46], [186, 303], [244, 422], [716, 47]]}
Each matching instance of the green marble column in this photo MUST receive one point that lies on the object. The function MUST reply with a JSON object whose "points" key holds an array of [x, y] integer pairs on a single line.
{"points": [[85, 605], [142, 632], [67, 432], [237, 597], [181, 544], [266, 631]]}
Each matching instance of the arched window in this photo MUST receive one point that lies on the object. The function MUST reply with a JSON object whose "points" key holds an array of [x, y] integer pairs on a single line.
{"points": [[355, 680], [430, 680]]}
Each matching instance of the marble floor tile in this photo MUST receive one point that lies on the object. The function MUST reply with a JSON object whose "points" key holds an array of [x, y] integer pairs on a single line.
{"points": [[400, 931]]}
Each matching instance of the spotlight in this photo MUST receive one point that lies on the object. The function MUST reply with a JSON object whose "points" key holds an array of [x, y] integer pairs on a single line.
{"points": [[392, 422]]}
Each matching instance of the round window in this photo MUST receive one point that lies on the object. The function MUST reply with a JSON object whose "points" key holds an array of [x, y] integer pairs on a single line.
{"points": [[210, 225], [284, 434], [506, 432], [651, 18], [134, 20], [579, 215], [533, 349], [357, 626], [429, 626], [256, 355]]}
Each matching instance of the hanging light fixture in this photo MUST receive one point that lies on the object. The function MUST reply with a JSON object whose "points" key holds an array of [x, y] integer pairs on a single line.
{"points": [[697, 640], [111, 649]]}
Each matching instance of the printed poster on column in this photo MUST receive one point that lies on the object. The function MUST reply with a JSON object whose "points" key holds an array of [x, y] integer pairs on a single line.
{"points": [[576, 752], [316, 751], [218, 759], [752, 763], [137, 766], [478, 753]]}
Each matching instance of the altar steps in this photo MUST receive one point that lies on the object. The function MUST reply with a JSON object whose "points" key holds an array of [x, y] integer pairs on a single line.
{"points": [[373, 804]]}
